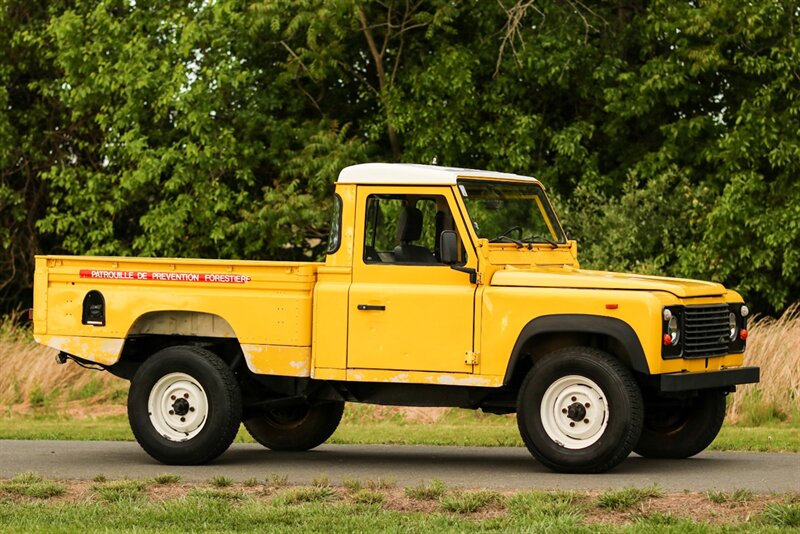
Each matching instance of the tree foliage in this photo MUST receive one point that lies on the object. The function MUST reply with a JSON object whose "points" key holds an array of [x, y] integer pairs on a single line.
{"points": [[666, 130]]}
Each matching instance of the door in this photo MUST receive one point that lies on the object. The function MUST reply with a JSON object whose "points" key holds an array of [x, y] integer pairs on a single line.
{"points": [[407, 310]]}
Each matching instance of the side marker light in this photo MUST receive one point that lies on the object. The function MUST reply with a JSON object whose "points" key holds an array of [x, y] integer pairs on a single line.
{"points": [[612, 306]]}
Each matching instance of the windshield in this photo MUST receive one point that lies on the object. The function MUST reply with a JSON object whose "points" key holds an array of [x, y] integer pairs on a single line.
{"points": [[510, 212]]}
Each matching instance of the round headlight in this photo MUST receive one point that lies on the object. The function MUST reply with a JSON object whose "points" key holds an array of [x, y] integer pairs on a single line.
{"points": [[667, 314], [745, 311], [672, 329], [732, 324]]}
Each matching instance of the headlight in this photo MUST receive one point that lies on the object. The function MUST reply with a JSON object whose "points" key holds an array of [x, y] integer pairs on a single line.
{"points": [[733, 326], [672, 330]]}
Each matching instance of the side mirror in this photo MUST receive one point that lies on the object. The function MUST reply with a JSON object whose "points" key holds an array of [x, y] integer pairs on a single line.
{"points": [[448, 247]]}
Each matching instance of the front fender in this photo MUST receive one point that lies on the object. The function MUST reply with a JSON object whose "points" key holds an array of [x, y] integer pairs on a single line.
{"points": [[632, 355]]}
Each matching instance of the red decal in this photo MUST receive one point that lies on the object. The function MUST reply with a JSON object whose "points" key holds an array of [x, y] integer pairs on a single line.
{"points": [[160, 276]]}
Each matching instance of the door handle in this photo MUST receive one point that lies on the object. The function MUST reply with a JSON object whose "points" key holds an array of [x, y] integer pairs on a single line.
{"points": [[371, 307]]}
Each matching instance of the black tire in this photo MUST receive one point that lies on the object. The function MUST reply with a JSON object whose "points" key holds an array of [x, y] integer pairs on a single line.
{"points": [[681, 429], [296, 428], [568, 379], [208, 401]]}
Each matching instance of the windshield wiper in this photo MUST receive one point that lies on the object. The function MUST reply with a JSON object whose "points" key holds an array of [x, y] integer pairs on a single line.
{"points": [[505, 238], [540, 239]]}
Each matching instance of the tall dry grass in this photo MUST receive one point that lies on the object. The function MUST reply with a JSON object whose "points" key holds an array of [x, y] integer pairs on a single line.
{"points": [[774, 346], [31, 381]]}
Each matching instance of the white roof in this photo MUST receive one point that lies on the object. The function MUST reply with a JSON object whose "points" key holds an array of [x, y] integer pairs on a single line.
{"points": [[412, 174]]}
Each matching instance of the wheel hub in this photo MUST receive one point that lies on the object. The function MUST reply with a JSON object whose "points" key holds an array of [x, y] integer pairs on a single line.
{"points": [[181, 407], [576, 411]]}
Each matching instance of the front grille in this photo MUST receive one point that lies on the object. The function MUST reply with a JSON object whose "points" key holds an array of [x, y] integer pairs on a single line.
{"points": [[706, 331]]}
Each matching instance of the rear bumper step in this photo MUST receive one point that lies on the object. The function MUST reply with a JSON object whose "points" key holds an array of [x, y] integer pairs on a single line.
{"points": [[709, 380]]}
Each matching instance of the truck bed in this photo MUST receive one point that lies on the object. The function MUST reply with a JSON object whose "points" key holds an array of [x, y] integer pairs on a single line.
{"points": [[267, 305]]}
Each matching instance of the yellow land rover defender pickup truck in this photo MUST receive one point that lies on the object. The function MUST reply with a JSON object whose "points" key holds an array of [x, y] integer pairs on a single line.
{"points": [[441, 287]]}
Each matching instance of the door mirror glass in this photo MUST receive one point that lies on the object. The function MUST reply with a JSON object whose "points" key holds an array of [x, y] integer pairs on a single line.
{"points": [[448, 247]]}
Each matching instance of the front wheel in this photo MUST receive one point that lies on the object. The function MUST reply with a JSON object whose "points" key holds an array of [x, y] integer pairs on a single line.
{"points": [[579, 410], [680, 429], [184, 406], [298, 427]]}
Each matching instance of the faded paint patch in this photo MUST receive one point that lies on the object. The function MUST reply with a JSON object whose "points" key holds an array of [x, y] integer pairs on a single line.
{"points": [[278, 359], [451, 380], [102, 350], [401, 378]]}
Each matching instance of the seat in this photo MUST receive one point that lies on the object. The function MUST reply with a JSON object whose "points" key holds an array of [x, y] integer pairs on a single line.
{"points": [[409, 229]]}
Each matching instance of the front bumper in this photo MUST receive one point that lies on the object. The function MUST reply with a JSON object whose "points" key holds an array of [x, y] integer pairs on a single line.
{"points": [[709, 379]]}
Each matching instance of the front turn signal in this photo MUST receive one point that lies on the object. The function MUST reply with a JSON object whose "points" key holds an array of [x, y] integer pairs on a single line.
{"points": [[743, 334]]}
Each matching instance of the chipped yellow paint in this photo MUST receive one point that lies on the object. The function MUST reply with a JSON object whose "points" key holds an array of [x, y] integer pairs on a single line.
{"points": [[278, 360], [102, 350], [423, 377]]}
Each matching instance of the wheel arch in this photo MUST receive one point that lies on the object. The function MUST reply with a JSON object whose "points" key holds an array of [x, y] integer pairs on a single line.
{"points": [[153, 331], [551, 332]]}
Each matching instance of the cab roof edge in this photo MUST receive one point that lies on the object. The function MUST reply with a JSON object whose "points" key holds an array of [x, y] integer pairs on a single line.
{"points": [[413, 174]]}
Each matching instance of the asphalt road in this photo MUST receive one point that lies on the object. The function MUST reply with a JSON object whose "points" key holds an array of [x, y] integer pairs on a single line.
{"points": [[467, 467]]}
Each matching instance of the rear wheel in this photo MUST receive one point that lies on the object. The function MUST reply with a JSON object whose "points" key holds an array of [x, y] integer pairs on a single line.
{"points": [[298, 427], [680, 429], [579, 410], [184, 406]]}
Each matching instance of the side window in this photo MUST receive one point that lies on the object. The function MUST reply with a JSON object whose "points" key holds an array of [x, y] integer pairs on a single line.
{"points": [[335, 234], [405, 228]]}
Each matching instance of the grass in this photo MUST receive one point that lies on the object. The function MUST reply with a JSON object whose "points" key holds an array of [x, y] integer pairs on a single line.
{"points": [[220, 481], [32, 485], [772, 345], [366, 496], [433, 490], [627, 497], [131, 505], [120, 490], [782, 515], [736, 496], [166, 479], [308, 495], [564, 510], [470, 502], [278, 481], [215, 494]]}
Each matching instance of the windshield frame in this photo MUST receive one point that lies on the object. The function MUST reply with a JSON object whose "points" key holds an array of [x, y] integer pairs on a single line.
{"points": [[545, 208]]}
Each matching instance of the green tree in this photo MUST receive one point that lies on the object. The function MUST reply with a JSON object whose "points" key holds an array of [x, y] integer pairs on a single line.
{"points": [[667, 131]]}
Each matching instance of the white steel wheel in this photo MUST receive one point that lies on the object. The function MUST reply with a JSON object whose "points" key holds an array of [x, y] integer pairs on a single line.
{"points": [[184, 405], [574, 412], [178, 407], [579, 410]]}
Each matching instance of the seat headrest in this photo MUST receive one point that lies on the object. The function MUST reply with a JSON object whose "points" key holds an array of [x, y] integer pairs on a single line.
{"points": [[409, 225]]}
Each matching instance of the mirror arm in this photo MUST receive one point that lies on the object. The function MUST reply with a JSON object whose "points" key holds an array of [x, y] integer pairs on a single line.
{"points": [[473, 274]]}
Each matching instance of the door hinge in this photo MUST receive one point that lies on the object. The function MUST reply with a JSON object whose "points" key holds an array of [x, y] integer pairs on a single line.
{"points": [[478, 278], [471, 358]]}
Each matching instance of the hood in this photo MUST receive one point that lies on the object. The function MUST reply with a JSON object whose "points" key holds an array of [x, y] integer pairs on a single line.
{"points": [[581, 279]]}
